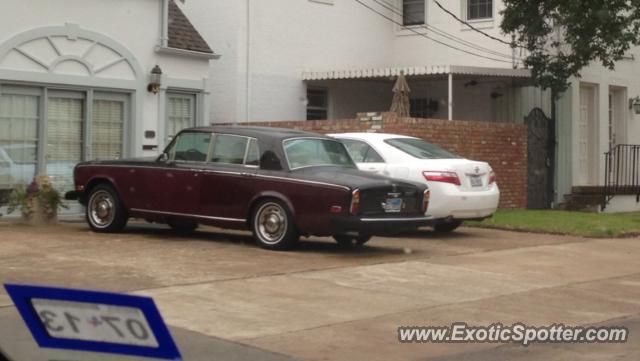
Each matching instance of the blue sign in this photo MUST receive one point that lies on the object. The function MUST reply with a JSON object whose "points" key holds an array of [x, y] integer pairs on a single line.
{"points": [[94, 321]]}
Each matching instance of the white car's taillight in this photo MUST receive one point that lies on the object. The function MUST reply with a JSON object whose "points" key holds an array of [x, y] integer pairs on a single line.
{"points": [[492, 177], [355, 202], [440, 176], [425, 200]]}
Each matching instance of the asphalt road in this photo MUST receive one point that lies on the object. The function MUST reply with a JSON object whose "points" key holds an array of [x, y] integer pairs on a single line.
{"points": [[225, 297]]}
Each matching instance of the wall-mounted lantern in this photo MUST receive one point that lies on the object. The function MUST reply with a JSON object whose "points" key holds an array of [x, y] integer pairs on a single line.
{"points": [[634, 103], [155, 80]]}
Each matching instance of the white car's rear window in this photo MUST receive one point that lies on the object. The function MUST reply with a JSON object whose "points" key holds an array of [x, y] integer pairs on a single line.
{"points": [[420, 149]]}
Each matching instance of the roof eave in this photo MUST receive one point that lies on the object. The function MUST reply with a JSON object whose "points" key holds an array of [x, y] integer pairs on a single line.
{"points": [[184, 52]]}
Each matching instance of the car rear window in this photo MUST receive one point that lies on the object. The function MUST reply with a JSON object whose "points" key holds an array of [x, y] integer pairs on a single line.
{"points": [[309, 152], [421, 149]]}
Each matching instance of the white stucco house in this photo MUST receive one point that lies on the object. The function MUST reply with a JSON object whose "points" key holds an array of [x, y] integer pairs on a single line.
{"points": [[315, 59], [76, 83]]}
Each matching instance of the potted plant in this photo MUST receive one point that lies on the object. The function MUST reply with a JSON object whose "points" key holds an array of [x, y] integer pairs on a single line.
{"points": [[39, 201]]}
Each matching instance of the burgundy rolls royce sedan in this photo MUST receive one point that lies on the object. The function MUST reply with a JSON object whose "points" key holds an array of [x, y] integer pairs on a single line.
{"points": [[279, 183]]}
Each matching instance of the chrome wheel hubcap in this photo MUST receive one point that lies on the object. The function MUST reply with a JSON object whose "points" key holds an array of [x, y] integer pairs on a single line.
{"points": [[271, 223], [101, 209]]}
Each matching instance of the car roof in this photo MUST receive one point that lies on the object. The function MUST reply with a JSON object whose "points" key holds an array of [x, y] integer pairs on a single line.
{"points": [[369, 136], [259, 132]]}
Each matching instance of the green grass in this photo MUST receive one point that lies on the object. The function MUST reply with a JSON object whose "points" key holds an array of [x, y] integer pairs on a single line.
{"points": [[564, 222]]}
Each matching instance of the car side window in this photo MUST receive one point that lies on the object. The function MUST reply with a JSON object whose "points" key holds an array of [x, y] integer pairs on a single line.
{"points": [[190, 147], [362, 152], [253, 154], [229, 149]]}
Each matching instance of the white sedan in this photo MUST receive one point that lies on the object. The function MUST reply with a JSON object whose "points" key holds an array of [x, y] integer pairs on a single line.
{"points": [[461, 189]]}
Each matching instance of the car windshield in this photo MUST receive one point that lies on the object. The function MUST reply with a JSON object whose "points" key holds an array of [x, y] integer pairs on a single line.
{"points": [[420, 149], [309, 152]]}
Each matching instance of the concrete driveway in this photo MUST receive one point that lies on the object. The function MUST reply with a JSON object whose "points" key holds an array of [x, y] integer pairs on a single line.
{"points": [[322, 302]]}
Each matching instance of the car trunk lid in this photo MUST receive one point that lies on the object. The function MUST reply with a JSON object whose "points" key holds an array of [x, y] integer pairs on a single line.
{"points": [[474, 176]]}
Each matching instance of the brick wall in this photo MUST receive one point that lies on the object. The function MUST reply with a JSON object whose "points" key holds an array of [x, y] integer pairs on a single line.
{"points": [[503, 145]]}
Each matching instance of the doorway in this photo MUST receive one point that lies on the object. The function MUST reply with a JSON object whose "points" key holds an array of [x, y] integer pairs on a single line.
{"points": [[617, 124], [586, 135]]}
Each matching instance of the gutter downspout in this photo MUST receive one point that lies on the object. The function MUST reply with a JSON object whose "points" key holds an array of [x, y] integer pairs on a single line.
{"points": [[164, 23], [248, 65], [450, 96]]}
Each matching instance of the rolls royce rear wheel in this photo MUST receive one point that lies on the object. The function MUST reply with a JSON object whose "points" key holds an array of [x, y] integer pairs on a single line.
{"points": [[351, 241], [105, 212], [273, 226]]}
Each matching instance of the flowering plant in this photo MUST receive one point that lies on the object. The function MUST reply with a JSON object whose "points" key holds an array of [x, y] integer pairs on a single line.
{"points": [[39, 201]]}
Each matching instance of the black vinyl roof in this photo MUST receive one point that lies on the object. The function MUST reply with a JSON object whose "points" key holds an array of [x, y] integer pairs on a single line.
{"points": [[260, 132]]}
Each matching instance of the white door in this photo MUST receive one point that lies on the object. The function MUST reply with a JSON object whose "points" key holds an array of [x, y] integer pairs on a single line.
{"points": [[587, 162], [617, 117], [64, 140], [64, 135]]}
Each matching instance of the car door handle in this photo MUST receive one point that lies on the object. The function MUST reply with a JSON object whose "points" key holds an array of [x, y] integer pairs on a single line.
{"points": [[250, 175]]}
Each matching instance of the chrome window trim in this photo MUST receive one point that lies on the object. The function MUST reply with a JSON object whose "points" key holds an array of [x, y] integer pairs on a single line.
{"points": [[316, 165], [294, 180], [246, 150], [188, 131]]}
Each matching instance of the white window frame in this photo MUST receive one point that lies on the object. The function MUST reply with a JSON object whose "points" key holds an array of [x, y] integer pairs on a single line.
{"points": [[465, 13], [44, 91], [194, 109], [424, 20]]}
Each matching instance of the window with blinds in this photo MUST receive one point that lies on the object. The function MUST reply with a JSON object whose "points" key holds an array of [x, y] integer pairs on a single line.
{"points": [[180, 113], [107, 129], [413, 12], [64, 129], [19, 116]]}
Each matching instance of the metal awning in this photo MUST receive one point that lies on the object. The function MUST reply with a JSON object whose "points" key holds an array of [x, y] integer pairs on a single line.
{"points": [[414, 71]]}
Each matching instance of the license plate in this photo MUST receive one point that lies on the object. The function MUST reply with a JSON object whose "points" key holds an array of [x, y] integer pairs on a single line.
{"points": [[392, 205], [476, 181]]}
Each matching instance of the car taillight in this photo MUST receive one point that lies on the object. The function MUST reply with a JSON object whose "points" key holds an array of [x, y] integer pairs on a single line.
{"points": [[445, 177], [492, 177], [355, 202], [425, 200]]}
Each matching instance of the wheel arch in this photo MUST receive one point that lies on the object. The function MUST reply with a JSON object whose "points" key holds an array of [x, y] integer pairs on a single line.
{"points": [[96, 181], [270, 195]]}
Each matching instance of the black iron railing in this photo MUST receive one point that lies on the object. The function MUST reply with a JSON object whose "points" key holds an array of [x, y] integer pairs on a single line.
{"points": [[622, 172]]}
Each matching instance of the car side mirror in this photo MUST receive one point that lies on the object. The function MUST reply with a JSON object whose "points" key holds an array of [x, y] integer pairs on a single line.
{"points": [[163, 158]]}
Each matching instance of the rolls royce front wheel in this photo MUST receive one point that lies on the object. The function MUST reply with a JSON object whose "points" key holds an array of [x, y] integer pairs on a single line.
{"points": [[273, 226], [105, 212]]}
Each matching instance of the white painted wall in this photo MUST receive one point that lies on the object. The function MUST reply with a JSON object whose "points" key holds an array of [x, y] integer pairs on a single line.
{"points": [[289, 36], [136, 25]]}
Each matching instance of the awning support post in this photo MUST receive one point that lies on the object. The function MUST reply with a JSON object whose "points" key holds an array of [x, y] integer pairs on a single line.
{"points": [[450, 96]]}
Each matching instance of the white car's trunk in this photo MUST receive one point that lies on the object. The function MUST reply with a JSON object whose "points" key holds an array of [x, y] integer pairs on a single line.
{"points": [[473, 175]]}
